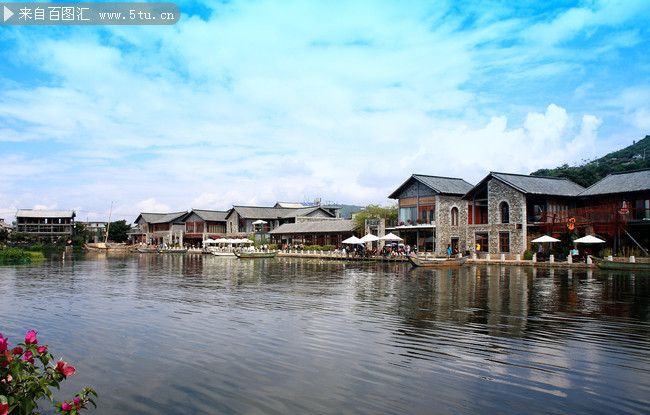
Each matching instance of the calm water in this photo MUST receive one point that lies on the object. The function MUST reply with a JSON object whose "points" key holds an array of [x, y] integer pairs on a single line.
{"points": [[200, 334]]}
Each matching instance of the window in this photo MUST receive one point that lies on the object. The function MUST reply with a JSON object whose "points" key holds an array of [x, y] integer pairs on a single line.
{"points": [[482, 242], [505, 212], [504, 241], [408, 215], [454, 216]]}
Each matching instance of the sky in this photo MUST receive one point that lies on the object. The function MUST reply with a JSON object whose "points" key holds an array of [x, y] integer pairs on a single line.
{"points": [[254, 102]]}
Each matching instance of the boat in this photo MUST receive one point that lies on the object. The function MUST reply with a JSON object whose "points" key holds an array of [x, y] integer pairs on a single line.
{"points": [[417, 261], [243, 255], [172, 251], [624, 266], [107, 247], [222, 253], [147, 250]]}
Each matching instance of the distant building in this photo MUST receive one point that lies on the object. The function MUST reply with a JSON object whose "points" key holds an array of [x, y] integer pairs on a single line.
{"points": [[42, 224], [244, 220], [160, 228], [96, 231], [6, 226], [313, 232]]}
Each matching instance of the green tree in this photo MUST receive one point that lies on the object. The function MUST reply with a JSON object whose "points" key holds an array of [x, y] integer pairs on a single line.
{"points": [[81, 234], [373, 211], [118, 231]]}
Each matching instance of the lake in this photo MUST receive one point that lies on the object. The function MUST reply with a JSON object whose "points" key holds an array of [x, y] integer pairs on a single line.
{"points": [[155, 333]]}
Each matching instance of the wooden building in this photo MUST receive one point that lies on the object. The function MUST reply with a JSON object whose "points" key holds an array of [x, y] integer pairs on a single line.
{"points": [[313, 232], [204, 224]]}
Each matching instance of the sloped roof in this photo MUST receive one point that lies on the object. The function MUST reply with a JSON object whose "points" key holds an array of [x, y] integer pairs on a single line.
{"points": [[620, 182], [252, 212], [212, 215], [329, 226], [441, 185], [160, 217], [533, 185], [45, 213]]}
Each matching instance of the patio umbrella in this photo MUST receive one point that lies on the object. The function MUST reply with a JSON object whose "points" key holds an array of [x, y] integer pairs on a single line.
{"points": [[352, 240], [259, 222], [589, 239], [391, 237], [545, 238], [369, 238]]}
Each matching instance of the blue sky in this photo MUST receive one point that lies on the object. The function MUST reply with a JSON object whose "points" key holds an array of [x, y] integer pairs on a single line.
{"points": [[253, 102]]}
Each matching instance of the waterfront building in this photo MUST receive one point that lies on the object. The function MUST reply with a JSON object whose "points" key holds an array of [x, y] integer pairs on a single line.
{"points": [[505, 211], [203, 224], [45, 224], [617, 208], [430, 209], [307, 232], [336, 210], [161, 228], [244, 220]]}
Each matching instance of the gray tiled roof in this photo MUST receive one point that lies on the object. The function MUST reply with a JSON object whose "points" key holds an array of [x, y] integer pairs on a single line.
{"points": [[553, 186], [161, 217], [445, 185], [211, 215], [45, 213], [621, 182], [330, 226], [251, 212], [441, 185]]}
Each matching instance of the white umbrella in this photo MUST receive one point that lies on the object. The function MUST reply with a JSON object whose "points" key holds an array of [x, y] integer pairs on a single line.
{"points": [[352, 240], [391, 237], [589, 239], [259, 222], [545, 238], [369, 238]]}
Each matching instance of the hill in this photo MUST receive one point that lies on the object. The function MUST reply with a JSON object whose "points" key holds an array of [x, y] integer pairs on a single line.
{"points": [[634, 157]]}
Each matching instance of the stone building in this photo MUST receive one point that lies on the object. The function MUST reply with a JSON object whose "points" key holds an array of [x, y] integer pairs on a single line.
{"points": [[504, 211], [430, 211]]}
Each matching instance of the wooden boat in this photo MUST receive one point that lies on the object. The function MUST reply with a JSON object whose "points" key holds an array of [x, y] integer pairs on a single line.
{"points": [[246, 255], [417, 261], [147, 250], [624, 266], [172, 251], [107, 247]]}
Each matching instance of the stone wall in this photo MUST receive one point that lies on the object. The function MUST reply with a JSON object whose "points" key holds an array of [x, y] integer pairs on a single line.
{"points": [[444, 230]]}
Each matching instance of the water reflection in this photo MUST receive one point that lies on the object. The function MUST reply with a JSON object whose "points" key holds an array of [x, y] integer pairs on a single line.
{"points": [[291, 335]]}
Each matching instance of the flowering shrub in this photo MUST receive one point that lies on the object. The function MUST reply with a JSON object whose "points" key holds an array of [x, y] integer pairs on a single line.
{"points": [[26, 375]]}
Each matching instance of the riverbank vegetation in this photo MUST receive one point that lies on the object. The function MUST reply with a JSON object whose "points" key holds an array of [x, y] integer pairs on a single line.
{"points": [[12, 255]]}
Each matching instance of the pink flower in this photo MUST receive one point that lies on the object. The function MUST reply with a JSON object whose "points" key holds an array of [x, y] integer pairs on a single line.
{"points": [[4, 408], [3, 344], [27, 357], [17, 350], [30, 337], [66, 406], [63, 369], [41, 349]]}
